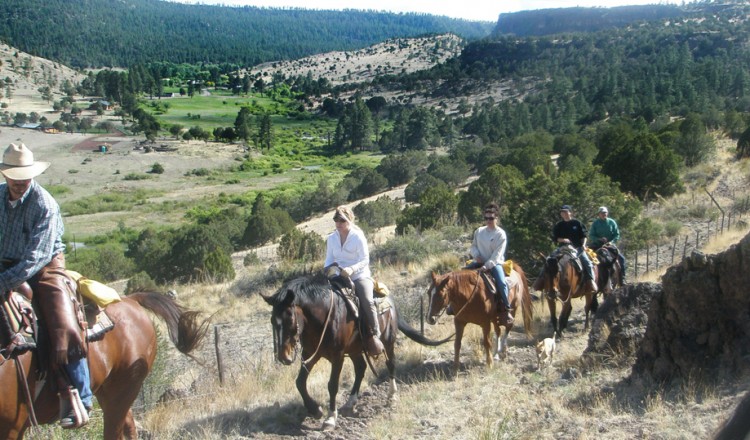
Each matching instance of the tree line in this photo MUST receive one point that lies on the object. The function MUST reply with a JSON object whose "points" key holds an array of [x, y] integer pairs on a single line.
{"points": [[103, 33]]}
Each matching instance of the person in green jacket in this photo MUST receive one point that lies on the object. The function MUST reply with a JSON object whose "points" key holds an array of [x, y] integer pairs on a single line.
{"points": [[604, 230]]}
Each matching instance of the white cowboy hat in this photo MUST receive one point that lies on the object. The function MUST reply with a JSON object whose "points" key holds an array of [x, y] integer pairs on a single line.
{"points": [[18, 163]]}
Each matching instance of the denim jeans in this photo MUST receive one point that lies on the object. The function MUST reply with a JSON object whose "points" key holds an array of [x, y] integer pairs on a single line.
{"points": [[498, 274], [78, 370]]}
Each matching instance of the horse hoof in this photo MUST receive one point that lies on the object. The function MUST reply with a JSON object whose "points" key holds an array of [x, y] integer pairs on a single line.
{"points": [[347, 411], [329, 424], [316, 413]]}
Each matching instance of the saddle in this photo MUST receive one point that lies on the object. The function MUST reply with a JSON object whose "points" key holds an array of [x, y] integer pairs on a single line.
{"points": [[607, 254], [344, 287], [20, 326]]}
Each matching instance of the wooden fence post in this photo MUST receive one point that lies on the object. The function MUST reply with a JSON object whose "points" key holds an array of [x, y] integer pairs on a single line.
{"points": [[421, 314], [636, 263], [684, 247], [219, 363]]}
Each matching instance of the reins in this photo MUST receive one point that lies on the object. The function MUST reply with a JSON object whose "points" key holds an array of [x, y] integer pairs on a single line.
{"points": [[26, 392], [473, 292], [322, 333]]}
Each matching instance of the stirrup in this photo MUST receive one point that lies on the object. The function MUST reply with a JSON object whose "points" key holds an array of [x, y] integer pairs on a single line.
{"points": [[103, 325], [73, 414], [374, 346]]}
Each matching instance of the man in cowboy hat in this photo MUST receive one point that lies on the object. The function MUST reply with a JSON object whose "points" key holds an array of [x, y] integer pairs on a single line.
{"points": [[31, 248]]}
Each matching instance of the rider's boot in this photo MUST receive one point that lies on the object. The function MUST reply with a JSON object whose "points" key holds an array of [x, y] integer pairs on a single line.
{"points": [[503, 309], [591, 285], [373, 345]]}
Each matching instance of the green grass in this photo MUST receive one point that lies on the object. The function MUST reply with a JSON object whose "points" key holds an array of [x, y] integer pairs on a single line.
{"points": [[109, 202]]}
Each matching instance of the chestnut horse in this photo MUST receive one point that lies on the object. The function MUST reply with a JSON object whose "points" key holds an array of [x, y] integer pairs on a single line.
{"points": [[467, 294], [562, 279], [119, 363], [307, 312]]}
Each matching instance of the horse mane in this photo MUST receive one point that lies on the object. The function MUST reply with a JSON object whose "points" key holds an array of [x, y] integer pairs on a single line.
{"points": [[306, 289]]}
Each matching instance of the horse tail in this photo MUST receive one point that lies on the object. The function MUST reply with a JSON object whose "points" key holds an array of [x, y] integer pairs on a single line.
{"points": [[528, 309], [416, 336], [185, 329]]}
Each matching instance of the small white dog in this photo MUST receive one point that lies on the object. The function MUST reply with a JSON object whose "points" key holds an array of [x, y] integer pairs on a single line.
{"points": [[545, 350]]}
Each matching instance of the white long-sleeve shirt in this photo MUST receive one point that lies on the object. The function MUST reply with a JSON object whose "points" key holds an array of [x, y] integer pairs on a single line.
{"points": [[354, 253], [489, 245]]}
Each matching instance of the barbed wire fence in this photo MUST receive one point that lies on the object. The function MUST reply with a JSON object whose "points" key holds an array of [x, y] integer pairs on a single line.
{"points": [[668, 252]]}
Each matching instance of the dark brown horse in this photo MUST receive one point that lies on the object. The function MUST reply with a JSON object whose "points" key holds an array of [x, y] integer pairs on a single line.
{"points": [[609, 273], [563, 280], [307, 312], [118, 364], [467, 294]]}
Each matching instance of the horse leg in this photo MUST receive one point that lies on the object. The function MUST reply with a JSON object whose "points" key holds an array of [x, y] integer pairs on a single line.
{"points": [[310, 404], [115, 399], [333, 390], [390, 363], [564, 315], [498, 340], [360, 366], [592, 304], [487, 344], [552, 303], [129, 431], [457, 345]]}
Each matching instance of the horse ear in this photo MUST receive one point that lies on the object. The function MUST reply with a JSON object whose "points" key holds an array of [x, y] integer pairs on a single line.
{"points": [[268, 298], [288, 298], [434, 277]]}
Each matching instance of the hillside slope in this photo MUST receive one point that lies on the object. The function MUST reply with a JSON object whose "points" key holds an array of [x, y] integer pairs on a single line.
{"points": [[98, 33]]}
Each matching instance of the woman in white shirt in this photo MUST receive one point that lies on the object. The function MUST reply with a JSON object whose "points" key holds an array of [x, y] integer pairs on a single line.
{"points": [[347, 248], [488, 252]]}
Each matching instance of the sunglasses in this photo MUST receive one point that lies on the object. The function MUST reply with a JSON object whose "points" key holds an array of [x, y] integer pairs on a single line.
{"points": [[489, 218], [339, 220]]}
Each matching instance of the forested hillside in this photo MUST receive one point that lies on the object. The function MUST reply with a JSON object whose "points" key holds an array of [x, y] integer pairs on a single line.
{"points": [[104, 33], [556, 21]]}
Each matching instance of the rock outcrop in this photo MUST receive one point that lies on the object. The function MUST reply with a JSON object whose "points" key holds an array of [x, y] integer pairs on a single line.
{"points": [[700, 324], [620, 322]]}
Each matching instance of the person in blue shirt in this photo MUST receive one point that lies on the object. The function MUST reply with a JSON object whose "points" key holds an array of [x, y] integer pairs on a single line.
{"points": [[32, 251], [604, 230]]}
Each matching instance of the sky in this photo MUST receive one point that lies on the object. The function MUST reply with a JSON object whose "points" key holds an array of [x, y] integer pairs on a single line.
{"points": [[479, 10]]}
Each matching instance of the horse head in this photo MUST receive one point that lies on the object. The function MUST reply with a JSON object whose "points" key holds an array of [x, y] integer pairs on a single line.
{"points": [[438, 294], [285, 324]]}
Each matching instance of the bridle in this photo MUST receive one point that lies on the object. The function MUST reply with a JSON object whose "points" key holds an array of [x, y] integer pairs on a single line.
{"points": [[445, 306], [297, 337]]}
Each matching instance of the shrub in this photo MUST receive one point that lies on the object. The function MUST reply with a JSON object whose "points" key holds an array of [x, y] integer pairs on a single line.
{"points": [[672, 228], [298, 245], [251, 259], [141, 282], [136, 176], [382, 212], [266, 223], [103, 263], [157, 168], [218, 266]]}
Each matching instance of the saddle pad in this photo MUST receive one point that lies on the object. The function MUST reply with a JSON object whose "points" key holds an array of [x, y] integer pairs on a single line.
{"points": [[101, 294]]}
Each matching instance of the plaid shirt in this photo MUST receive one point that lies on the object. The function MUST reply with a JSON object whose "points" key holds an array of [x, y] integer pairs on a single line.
{"points": [[30, 234]]}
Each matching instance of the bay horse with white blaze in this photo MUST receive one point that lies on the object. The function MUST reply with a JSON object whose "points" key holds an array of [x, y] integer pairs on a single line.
{"points": [[562, 278], [465, 291], [118, 364], [308, 313]]}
